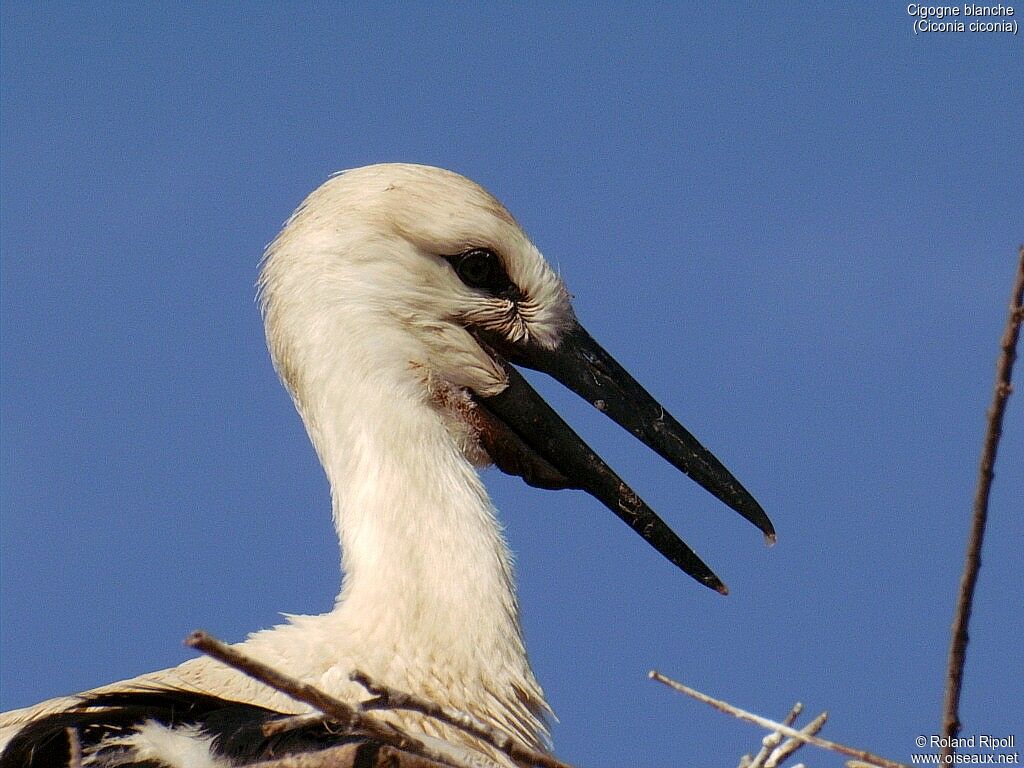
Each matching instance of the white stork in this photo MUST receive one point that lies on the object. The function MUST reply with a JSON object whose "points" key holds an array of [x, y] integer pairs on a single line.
{"points": [[397, 299]]}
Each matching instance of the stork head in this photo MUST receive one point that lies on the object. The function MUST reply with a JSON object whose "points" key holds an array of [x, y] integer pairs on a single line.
{"points": [[420, 278]]}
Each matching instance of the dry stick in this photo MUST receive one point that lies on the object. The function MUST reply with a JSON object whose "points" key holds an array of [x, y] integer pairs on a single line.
{"points": [[389, 698], [790, 746], [347, 755], [285, 724], [972, 561], [74, 748], [771, 725], [335, 709], [771, 741]]}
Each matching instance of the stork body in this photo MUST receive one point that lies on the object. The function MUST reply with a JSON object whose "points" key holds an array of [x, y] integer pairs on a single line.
{"points": [[393, 334]]}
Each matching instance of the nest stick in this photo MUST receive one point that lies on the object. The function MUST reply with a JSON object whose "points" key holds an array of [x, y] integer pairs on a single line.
{"points": [[972, 560], [771, 725]]}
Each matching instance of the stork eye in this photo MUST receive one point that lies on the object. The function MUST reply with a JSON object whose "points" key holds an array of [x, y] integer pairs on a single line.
{"points": [[482, 269], [478, 268]]}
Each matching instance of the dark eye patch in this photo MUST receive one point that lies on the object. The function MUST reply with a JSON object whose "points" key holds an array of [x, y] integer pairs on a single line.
{"points": [[482, 269]]}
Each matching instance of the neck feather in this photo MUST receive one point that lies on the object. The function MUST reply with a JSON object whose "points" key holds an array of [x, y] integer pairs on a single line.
{"points": [[421, 547], [428, 599]]}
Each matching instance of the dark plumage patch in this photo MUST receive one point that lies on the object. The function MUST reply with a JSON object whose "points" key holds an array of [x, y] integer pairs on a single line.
{"points": [[483, 269], [237, 729]]}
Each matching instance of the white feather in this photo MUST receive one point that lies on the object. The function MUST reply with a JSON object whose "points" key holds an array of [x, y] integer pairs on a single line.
{"points": [[185, 747]]}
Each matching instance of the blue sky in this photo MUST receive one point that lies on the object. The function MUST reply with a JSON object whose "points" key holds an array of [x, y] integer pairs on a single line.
{"points": [[797, 227]]}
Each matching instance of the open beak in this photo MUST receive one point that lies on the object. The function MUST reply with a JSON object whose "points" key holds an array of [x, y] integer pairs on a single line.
{"points": [[526, 437]]}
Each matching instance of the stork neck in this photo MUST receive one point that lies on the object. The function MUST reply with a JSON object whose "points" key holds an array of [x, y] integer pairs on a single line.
{"points": [[424, 560]]}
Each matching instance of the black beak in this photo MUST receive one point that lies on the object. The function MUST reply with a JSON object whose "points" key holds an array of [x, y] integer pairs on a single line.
{"points": [[526, 437]]}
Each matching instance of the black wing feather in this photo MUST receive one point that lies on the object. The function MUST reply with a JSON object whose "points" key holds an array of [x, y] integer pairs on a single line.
{"points": [[236, 728]]}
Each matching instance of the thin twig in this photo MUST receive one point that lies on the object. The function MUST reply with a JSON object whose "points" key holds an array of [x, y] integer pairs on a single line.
{"points": [[972, 561], [771, 725], [771, 741], [335, 709], [348, 755], [389, 698], [789, 746], [74, 748], [285, 724]]}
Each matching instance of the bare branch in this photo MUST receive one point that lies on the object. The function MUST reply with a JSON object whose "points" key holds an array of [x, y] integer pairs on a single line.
{"points": [[764, 722], [972, 561], [74, 748], [771, 741], [348, 755], [285, 724], [789, 746], [389, 698]]}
